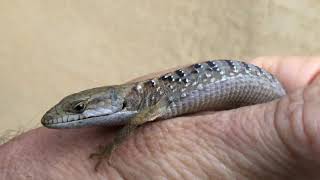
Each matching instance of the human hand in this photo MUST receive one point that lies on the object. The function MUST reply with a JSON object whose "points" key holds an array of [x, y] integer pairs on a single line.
{"points": [[276, 140]]}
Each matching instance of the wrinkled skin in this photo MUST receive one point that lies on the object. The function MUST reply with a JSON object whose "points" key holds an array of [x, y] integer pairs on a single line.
{"points": [[276, 140]]}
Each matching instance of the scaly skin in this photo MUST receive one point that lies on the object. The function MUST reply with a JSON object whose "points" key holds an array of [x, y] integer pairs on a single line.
{"points": [[214, 85]]}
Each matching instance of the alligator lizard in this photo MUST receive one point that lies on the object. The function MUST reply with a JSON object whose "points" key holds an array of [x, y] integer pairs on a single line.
{"points": [[211, 85]]}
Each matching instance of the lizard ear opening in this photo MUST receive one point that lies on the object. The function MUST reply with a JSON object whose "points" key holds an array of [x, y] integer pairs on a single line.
{"points": [[124, 104]]}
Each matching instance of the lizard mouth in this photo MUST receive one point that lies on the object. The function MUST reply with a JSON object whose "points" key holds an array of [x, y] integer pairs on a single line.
{"points": [[76, 121]]}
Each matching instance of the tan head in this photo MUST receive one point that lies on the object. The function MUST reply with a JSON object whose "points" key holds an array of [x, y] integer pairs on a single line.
{"points": [[98, 106]]}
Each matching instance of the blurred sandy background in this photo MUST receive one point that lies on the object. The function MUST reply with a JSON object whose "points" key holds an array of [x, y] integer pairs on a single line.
{"points": [[49, 49]]}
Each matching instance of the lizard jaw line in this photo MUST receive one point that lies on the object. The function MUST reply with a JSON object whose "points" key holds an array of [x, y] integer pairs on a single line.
{"points": [[118, 118]]}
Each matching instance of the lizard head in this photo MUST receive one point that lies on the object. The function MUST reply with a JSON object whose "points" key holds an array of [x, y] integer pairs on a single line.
{"points": [[98, 106]]}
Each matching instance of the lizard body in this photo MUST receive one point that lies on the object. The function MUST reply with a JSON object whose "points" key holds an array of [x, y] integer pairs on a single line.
{"points": [[211, 85]]}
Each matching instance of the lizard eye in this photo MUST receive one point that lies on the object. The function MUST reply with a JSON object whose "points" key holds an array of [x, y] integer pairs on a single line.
{"points": [[80, 107]]}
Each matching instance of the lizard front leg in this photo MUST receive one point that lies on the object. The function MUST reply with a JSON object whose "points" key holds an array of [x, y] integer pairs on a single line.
{"points": [[148, 114]]}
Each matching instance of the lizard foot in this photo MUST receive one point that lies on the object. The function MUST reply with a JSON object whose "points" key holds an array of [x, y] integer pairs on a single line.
{"points": [[104, 152]]}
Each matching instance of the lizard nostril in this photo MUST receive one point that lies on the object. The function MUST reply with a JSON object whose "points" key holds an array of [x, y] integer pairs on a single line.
{"points": [[46, 119]]}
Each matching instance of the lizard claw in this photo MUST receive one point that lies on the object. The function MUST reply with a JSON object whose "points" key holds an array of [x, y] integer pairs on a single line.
{"points": [[104, 153], [97, 154]]}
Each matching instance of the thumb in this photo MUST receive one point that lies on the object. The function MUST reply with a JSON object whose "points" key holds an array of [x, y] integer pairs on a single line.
{"points": [[297, 121], [297, 117], [275, 140]]}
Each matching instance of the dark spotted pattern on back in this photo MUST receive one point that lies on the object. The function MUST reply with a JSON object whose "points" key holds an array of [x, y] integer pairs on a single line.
{"points": [[259, 69], [246, 66], [195, 71], [230, 63], [211, 64], [152, 83], [185, 80], [207, 72], [185, 83], [180, 73], [171, 78], [197, 65]]}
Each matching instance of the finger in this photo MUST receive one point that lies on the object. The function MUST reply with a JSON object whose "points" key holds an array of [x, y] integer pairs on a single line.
{"points": [[293, 72], [298, 121]]}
